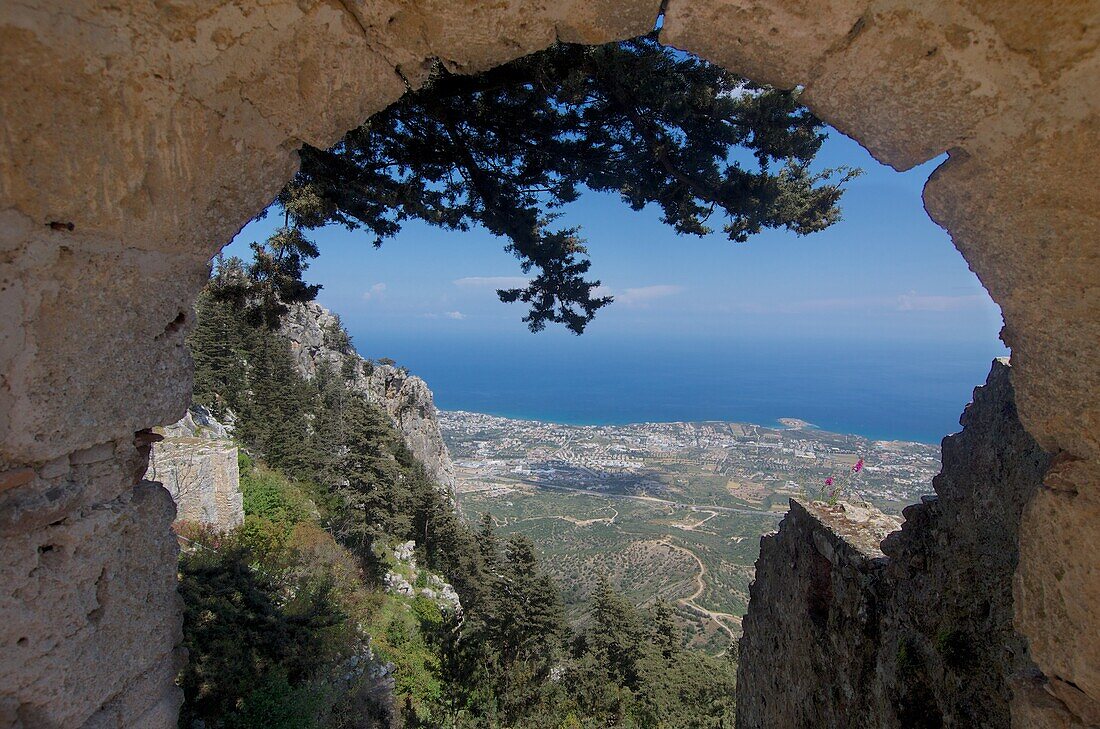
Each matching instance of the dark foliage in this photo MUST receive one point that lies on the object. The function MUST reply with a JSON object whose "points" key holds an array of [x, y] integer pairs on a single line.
{"points": [[507, 148], [244, 640], [264, 624]]}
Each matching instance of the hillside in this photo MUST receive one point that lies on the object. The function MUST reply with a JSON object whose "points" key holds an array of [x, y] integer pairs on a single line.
{"points": [[354, 596], [668, 510], [318, 340]]}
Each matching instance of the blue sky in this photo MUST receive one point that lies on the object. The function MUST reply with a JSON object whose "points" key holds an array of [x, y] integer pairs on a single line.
{"points": [[875, 326], [886, 273]]}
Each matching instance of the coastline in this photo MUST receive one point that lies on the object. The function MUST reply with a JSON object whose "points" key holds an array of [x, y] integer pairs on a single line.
{"points": [[779, 424]]}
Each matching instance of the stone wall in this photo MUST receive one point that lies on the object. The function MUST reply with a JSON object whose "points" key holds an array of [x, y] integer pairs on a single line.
{"points": [[918, 633], [202, 478], [89, 604], [138, 137], [197, 463]]}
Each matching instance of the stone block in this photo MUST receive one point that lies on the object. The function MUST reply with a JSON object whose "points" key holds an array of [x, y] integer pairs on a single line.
{"points": [[919, 631], [203, 479], [90, 611]]}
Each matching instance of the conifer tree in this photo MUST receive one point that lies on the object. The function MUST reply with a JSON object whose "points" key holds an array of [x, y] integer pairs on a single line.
{"points": [[216, 345], [535, 622], [616, 632], [487, 543], [666, 633], [275, 410], [494, 662], [506, 149]]}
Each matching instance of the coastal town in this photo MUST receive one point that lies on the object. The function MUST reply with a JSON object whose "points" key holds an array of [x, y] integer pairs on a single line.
{"points": [[734, 465]]}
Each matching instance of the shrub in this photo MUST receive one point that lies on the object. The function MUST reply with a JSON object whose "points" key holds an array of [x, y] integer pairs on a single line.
{"points": [[275, 704], [270, 495], [262, 540], [245, 639]]}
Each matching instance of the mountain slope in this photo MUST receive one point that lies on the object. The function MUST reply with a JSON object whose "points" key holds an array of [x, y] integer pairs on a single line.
{"points": [[317, 337]]}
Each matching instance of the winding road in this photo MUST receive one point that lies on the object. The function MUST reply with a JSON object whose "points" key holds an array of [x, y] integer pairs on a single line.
{"points": [[700, 586]]}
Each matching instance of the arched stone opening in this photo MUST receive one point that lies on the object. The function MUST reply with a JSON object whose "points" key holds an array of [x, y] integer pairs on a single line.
{"points": [[138, 138]]}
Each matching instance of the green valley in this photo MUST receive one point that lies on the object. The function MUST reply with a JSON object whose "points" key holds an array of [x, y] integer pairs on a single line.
{"points": [[666, 510]]}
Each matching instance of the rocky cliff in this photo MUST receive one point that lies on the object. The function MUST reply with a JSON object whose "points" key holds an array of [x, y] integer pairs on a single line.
{"points": [[917, 632], [197, 463], [317, 338]]}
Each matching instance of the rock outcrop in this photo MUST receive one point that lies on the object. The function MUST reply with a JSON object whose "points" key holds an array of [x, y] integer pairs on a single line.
{"points": [[916, 633], [197, 463], [318, 339], [406, 579], [139, 136]]}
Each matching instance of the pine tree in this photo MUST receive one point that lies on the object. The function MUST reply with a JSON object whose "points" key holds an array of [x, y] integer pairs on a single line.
{"points": [[275, 411], [507, 148], [528, 628], [487, 543], [616, 633], [495, 660], [666, 633], [216, 344], [535, 622]]}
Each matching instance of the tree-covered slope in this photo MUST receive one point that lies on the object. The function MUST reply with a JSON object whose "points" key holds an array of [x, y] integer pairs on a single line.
{"points": [[288, 618]]}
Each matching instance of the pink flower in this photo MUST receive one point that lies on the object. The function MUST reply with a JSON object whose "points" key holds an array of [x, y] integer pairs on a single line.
{"points": [[829, 481], [858, 467]]}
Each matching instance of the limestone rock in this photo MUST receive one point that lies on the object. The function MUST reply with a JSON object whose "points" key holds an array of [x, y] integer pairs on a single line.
{"points": [[402, 580], [73, 613], [397, 584], [318, 339], [140, 136], [404, 552], [197, 463], [846, 628], [199, 422]]}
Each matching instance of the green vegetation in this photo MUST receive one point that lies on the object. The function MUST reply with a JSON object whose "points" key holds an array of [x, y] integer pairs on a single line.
{"points": [[287, 620], [671, 510], [506, 149], [288, 623], [645, 552]]}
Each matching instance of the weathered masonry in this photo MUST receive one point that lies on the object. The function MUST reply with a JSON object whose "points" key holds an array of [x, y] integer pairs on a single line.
{"points": [[136, 137]]}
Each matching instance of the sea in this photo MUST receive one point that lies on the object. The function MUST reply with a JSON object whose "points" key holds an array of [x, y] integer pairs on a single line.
{"points": [[913, 391]]}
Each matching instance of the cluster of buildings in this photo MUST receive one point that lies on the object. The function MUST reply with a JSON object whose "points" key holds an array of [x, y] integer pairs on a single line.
{"points": [[749, 463]]}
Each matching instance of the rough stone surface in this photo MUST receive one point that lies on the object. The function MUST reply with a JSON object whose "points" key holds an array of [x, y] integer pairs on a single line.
{"points": [[138, 137], [998, 86], [199, 422], [807, 650], [406, 574], [316, 339], [919, 633], [95, 589], [197, 463]]}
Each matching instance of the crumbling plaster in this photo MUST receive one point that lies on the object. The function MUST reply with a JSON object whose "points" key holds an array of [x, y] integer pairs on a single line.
{"points": [[137, 137]]}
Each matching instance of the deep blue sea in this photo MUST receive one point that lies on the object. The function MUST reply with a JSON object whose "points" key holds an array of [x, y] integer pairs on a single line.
{"points": [[903, 391]]}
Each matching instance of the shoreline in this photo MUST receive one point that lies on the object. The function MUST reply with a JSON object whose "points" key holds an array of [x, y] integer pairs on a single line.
{"points": [[778, 425]]}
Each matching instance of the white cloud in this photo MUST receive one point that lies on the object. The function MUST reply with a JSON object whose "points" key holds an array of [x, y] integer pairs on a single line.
{"points": [[644, 294], [491, 282], [455, 315], [375, 292], [917, 302], [903, 302]]}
